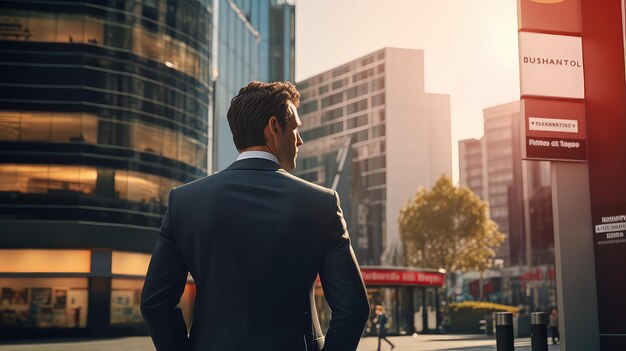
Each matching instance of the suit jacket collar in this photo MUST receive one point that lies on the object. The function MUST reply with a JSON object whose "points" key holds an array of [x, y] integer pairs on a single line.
{"points": [[260, 164]]}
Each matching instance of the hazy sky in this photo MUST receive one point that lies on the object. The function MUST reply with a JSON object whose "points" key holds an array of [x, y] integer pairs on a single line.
{"points": [[470, 48]]}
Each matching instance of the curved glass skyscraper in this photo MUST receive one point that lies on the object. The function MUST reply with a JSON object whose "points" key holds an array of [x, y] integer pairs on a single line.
{"points": [[104, 107]]}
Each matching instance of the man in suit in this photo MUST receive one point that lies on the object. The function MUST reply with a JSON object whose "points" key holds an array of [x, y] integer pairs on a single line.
{"points": [[254, 238]]}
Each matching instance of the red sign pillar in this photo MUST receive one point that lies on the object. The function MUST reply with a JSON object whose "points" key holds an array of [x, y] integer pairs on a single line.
{"points": [[605, 89], [589, 200]]}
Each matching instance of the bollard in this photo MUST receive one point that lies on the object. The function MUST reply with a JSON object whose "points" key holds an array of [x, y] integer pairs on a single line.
{"points": [[539, 331], [504, 331]]}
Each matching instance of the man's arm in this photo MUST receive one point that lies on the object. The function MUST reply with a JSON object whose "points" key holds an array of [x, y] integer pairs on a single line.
{"points": [[343, 288], [165, 282]]}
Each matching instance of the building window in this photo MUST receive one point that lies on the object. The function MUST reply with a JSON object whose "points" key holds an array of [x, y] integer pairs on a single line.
{"points": [[378, 83], [362, 75], [332, 99], [358, 90], [360, 136], [129, 263], [376, 163], [308, 107], [148, 39], [332, 114], [341, 70], [68, 181], [323, 89], [378, 100], [340, 83], [366, 61], [378, 131], [66, 127], [126, 302], [357, 121], [357, 106], [376, 179], [43, 302]]}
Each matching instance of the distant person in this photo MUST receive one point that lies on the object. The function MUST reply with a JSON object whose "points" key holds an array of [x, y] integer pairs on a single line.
{"points": [[554, 326], [254, 238], [381, 325]]}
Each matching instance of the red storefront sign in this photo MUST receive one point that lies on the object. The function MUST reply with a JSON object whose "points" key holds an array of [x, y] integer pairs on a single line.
{"points": [[401, 277], [405, 277]]}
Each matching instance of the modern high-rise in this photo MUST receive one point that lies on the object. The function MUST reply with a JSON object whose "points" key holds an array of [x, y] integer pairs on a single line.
{"points": [[104, 107], [503, 179], [471, 171], [519, 196], [238, 63], [276, 21], [256, 41], [373, 133]]}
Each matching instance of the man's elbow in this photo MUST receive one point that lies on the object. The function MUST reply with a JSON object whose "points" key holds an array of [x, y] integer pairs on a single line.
{"points": [[148, 305]]}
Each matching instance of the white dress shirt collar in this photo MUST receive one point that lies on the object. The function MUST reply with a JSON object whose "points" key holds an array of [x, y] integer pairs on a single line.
{"points": [[257, 154]]}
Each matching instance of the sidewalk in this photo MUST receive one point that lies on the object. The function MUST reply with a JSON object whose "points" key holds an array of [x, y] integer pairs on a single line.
{"points": [[445, 342], [448, 342]]}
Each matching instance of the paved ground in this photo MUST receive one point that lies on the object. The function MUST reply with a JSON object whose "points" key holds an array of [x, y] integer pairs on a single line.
{"points": [[448, 342]]}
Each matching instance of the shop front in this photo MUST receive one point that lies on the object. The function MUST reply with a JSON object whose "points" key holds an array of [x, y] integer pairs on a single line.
{"points": [[74, 293], [409, 295]]}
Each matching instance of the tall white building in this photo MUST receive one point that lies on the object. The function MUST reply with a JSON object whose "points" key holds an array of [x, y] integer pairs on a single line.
{"points": [[372, 133]]}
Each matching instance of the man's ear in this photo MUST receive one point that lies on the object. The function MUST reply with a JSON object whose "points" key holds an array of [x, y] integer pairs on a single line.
{"points": [[274, 126]]}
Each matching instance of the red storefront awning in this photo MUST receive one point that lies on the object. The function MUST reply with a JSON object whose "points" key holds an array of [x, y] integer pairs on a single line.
{"points": [[399, 276]]}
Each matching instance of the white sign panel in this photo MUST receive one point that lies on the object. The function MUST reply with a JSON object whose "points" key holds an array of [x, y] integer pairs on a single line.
{"points": [[553, 124], [551, 65]]}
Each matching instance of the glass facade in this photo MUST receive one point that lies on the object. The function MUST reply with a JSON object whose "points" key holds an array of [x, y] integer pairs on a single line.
{"points": [[104, 104], [256, 41], [238, 51], [104, 107], [343, 129], [276, 21]]}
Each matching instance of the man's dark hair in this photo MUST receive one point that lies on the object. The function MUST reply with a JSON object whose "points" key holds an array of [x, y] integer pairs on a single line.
{"points": [[252, 108]]}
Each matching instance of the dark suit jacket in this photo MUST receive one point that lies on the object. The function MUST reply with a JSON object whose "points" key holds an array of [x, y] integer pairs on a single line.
{"points": [[254, 238]]}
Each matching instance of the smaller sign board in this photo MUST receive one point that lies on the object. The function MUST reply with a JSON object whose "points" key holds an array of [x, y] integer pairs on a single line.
{"points": [[553, 130], [609, 223]]}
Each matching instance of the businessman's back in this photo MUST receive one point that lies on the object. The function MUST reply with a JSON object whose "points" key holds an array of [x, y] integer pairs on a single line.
{"points": [[254, 239]]}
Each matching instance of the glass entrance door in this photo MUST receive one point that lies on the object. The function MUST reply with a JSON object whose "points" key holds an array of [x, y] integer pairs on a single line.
{"points": [[418, 310], [431, 309]]}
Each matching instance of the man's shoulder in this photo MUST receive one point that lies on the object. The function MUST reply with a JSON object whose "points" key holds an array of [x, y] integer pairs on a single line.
{"points": [[306, 185], [291, 182], [194, 185]]}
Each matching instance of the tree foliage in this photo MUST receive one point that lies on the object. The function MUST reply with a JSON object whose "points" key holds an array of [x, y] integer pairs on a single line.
{"points": [[447, 227]]}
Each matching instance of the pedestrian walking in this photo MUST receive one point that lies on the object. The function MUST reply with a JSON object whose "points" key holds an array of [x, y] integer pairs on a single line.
{"points": [[254, 238], [381, 326], [554, 326]]}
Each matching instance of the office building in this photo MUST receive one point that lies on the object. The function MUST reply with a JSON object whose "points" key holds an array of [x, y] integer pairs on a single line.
{"points": [[519, 197], [256, 41], [104, 107], [471, 171], [374, 134], [503, 178]]}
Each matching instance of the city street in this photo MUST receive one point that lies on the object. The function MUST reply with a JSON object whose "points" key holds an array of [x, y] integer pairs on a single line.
{"points": [[447, 342]]}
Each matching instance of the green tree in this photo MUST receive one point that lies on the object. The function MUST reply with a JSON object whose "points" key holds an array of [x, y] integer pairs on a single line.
{"points": [[447, 227]]}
